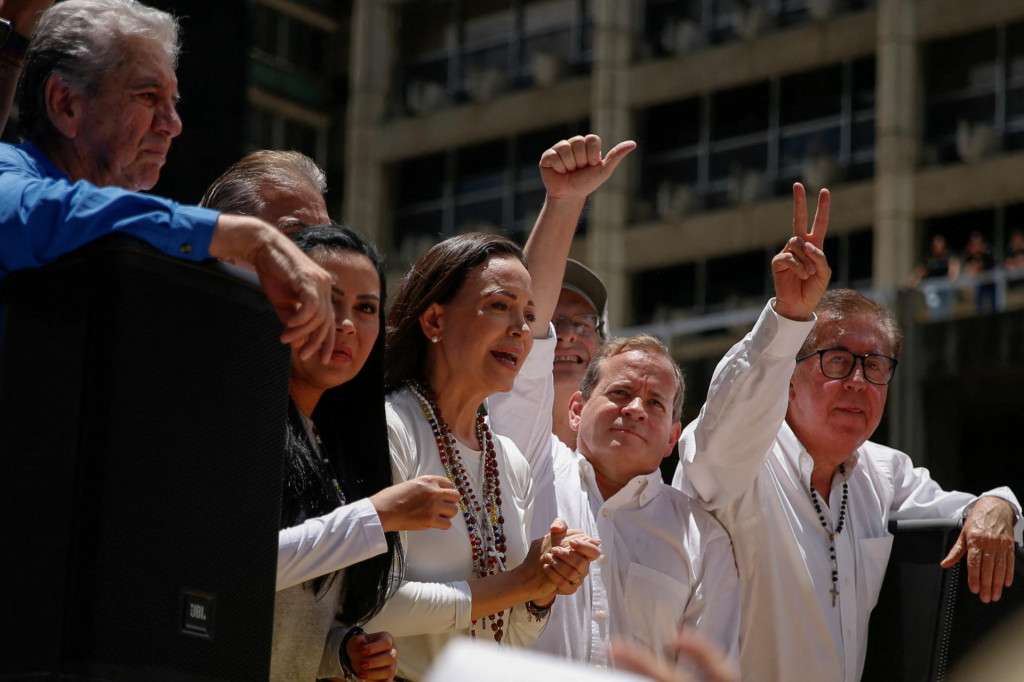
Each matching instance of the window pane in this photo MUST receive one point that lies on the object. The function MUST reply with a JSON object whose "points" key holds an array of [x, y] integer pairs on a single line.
{"points": [[740, 111], [420, 179], [727, 163], [864, 84], [961, 62], [811, 95], [736, 281], [861, 245], [656, 293], [301, 137], [481, 216], [672, 125], [481, 167]]}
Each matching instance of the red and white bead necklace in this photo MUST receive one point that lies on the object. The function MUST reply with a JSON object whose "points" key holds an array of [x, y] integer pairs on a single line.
{"points": [[484, 520]]}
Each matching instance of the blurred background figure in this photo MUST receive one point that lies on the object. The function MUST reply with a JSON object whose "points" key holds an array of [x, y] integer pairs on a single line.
{"points": [[938, 295], [978, 262]]}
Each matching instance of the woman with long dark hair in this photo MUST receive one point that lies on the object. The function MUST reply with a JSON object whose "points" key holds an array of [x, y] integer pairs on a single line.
{"points": [[339, 508], [458, 332]]}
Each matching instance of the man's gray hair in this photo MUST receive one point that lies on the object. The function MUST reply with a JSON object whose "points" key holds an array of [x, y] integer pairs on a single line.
{"points": [[83, 42], [242, 187]]}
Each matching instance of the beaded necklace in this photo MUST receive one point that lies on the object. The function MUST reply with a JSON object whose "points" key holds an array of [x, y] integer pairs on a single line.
{"points": [[484, 521], [326, 463], [832, 534]]}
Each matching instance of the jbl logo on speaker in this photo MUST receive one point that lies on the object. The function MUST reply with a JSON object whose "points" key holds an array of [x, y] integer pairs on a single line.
{"points": [[198, 614]]}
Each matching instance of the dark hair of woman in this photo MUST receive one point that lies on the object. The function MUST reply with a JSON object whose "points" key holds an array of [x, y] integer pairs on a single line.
{"points": [[353, 431], [435, 278]]}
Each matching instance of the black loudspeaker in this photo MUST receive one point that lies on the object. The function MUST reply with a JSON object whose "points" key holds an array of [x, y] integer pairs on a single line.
{"points": [[142, 416], [926, 618]]}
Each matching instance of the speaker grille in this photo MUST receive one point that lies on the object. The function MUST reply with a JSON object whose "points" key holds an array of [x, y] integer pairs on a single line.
{"points": [[177, 470]]}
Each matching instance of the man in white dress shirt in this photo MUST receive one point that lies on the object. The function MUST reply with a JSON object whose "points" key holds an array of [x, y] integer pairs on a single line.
{"points": [[665, 561], [780, 454]]}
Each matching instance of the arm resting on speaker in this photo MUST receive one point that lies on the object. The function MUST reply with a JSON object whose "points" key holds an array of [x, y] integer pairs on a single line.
{"points": [[328, 543]]}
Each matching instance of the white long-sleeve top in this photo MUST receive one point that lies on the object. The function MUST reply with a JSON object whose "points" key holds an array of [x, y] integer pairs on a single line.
{"points": [[665, 562], [434, 602], [302, 648], [744, 463], [328, 543]]}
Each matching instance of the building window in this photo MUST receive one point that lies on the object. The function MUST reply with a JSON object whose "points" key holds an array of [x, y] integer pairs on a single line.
{"points": [[680, 27], [455, 51], [290, 52], [279, 124], [490, 187], [974, 92], [745, 144], [738, 281]]}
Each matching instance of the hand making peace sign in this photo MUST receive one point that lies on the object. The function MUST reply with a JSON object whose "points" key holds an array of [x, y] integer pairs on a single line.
{"points": [[800, 270]]}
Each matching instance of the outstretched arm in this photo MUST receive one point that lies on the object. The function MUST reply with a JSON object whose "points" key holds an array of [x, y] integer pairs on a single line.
{"points": [[572, 169]]}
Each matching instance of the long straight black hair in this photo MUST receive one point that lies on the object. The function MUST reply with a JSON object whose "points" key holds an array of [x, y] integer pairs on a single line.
{"points": [[352, 425]]}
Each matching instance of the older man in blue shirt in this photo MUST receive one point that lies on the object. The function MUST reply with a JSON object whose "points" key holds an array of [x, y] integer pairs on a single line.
{"points": [[98, 98]]}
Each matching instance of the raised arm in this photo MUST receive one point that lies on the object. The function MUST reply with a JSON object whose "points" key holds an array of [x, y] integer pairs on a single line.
{"points": [[572, 169], [722, 450]]}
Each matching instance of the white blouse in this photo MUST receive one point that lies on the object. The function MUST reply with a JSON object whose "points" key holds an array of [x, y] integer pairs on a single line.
{"points": [[434, 602]]}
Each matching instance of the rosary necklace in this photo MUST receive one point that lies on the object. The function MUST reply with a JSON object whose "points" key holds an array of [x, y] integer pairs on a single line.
{"points": [[484, 521], [832, 534]]}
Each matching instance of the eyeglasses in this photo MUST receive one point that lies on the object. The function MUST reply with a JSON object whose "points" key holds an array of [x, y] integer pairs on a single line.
{"points": [[581, 324], [837, 363]]}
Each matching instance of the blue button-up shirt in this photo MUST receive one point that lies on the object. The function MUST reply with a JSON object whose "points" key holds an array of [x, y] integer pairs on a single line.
{"points": [[43, 215]]}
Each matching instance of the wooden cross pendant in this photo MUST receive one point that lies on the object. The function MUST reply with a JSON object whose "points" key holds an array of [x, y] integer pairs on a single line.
{"points": [[835, 593]]}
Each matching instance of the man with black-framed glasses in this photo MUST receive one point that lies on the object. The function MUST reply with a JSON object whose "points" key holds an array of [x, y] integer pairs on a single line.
{"points": [[780, 455]]}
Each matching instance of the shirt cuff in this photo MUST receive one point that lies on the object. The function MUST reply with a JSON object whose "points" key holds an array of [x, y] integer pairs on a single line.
{"points": [[785, 335], [370, 525], [191, 232], [463, 605]]}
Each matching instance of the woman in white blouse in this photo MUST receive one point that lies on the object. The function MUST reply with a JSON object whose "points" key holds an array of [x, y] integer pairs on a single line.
{"points": [[339, 509], [459, 331]]}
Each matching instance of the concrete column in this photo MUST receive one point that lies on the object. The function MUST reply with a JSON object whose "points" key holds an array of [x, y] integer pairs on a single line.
{"points": [[897, 134], [608, 212], [366, 190], [898, 101]]}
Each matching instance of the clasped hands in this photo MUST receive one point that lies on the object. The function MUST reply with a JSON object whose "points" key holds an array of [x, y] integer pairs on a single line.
{"points": [[560, 561]]}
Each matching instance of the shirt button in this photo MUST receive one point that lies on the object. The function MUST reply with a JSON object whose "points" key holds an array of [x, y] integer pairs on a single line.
{"points": [[603, 558], [849, 633], [605, 512], [186, 248], [601, 615]]}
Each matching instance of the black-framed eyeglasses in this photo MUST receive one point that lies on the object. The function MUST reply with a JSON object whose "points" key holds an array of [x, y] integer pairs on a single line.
{"points": [[839, 363], [581, 324]]}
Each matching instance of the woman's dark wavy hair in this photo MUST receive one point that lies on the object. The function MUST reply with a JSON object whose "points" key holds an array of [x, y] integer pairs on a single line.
{"points": [[351, 422], [435, 278]]}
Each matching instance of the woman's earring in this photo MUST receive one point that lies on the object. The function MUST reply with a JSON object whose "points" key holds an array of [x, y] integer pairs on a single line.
{"points": [[434, 339]]}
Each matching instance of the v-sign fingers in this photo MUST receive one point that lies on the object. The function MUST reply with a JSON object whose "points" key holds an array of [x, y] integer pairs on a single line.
{"points": [[817, 235], [799, 211]]}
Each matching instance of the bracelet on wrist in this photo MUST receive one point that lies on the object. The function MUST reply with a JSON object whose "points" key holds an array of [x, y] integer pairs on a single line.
{"points": [[346, 662], [538, 611]]}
